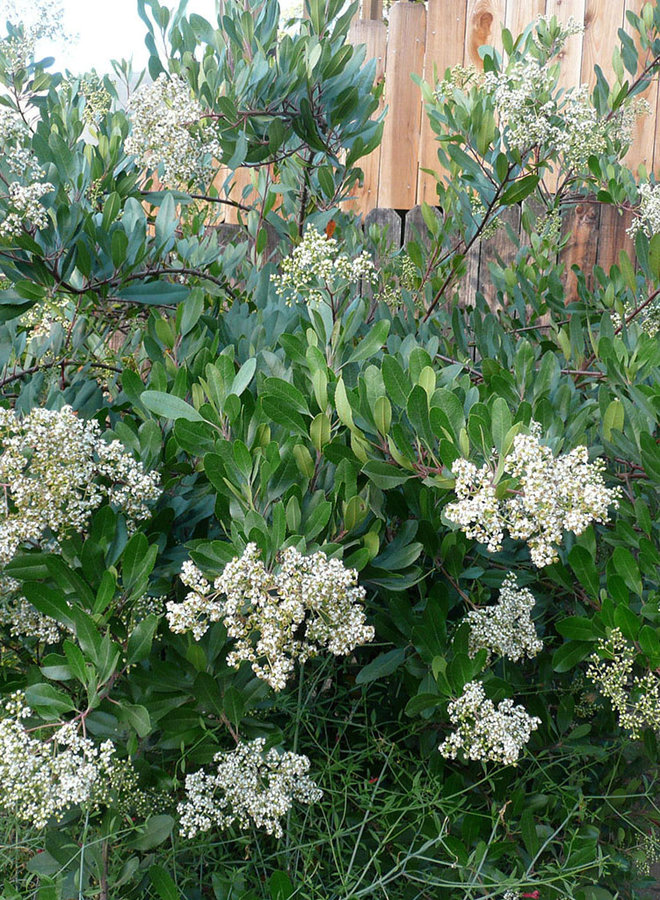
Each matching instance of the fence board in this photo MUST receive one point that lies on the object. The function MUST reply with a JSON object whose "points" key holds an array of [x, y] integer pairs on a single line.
{"points": [[400, 148], [445, 36], [612, 237], [642, 147], [484, 24], [374, 35], [521, 13], [582, 250], [602, 20]]}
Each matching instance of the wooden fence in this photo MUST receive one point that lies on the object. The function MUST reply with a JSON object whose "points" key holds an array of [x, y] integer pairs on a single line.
{"points": [[432, 36], [421, 37]]}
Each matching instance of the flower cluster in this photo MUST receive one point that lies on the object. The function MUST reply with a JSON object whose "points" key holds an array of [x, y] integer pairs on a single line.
{"points": [[527, 106], [635, 699], [311, 604], [22, 619], [505, 629], [23, 195], [42, 779], [551, 495], [484, 732], [315, 269], [648, 216], [170, 129], [647, 319], [56, 469], [251, 786]]}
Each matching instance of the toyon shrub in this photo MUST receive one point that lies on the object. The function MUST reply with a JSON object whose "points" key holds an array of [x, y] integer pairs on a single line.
{"points": [[316, 580]]}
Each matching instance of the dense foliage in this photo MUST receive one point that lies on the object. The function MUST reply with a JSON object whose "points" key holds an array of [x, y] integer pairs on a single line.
{"points": [[316, 582]]}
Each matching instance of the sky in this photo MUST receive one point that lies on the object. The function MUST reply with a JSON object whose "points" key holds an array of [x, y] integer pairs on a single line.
{"points": [[109, 29], [104, 29]]}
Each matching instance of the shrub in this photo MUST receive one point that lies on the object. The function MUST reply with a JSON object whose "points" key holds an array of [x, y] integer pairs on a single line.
{"points": [[367, 603]]}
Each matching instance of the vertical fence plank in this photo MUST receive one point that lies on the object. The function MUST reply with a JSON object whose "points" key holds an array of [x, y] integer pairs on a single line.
{"points": [[582, 249], [372, 9], [612, 237], [521, 13], [484, 26], [602, 20], [400, 148], [642, 147], [445, 35], [571, 55], [374, 35]]}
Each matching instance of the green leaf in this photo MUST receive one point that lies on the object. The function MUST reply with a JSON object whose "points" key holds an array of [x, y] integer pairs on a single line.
{"points": [[570, 654], [384, 475], [342, 405], [520, 189], [370, 345], [243, 377], [397, 383], [155, 830], [141, 639], [626, 566], [381, 666], [169, 407], [583, 565], [420, 702], [136, 716], [233, 704], [49, 702], [280, 886], [613, 419], [577, 628]]}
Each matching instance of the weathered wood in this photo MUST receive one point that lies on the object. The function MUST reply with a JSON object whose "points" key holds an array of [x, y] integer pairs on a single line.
{"points": [[582, 249], [415, 228], [602, 20], [388, 220], [469, 284], [499, 248], [445, 32], [397, 185], [612, 237], [483, 26], [374, 35]]}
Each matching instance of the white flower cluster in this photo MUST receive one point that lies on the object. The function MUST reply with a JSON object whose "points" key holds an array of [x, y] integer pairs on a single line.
{"points": [[315, 269], [635, 699], [23, 195], [22, 619], [648, 216], [42, 779], [170, 129], [484, 732], [551, 495], [249, 787], [647, 319], [505, 629], [311, 604], [55, 469], [527, 105]]}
